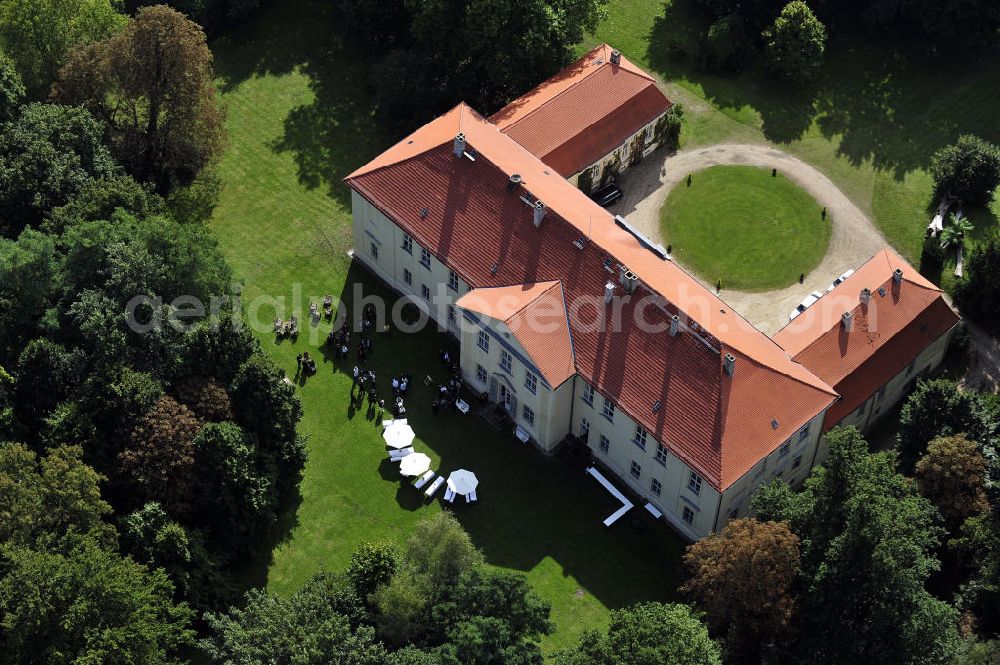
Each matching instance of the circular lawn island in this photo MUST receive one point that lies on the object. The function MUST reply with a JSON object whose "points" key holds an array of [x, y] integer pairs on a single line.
{"points": [[744, 227]]}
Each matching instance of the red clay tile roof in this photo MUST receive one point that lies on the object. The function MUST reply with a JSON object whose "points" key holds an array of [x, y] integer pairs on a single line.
{"points": [[719, 425], [536, 315], [886, 335], [584, 112]]}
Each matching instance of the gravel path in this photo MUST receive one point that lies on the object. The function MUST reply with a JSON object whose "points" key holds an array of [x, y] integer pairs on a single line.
{"points": [[854, 239]]}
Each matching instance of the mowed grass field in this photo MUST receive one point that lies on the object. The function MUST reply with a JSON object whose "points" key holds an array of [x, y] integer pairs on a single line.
{"points": [[740, 225], [299, 121], [883, 104]]}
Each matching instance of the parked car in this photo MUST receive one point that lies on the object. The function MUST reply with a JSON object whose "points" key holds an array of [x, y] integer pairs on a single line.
{"points": [[839, 280], [805, 304], [608, 195]]}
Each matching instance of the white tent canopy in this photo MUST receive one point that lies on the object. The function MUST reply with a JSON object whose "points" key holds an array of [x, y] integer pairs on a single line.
{"points": [[462, 481], [414, 464], [399, 436]]}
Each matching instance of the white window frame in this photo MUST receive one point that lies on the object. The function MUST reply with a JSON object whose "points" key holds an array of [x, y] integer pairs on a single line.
{"points": [[407, 277], [528, 415], [531, 382], [425, 291], [605, 444], [407, 245], [656, 487], [588, 394], [639, 438], [506, 361], [481, 374], [608, 410], [425, 257], [453, 280], [687, 515], [694, 483], [483, 341], [635, 470], [661, 456]]}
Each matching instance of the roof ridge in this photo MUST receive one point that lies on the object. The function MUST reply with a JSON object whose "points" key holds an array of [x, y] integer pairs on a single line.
{"points": [[634, 71], [552, 283]]}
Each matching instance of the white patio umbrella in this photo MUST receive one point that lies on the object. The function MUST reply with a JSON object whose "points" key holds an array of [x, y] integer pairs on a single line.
{"points": [[462, 481], [399, 436], [415, 464]]}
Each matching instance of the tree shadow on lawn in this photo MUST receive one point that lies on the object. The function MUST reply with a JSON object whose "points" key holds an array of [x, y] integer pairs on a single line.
{"points": [[884, 96], [530, 507]]}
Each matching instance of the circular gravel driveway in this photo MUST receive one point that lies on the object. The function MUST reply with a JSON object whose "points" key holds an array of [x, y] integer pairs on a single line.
{"points": [[853, 238]]}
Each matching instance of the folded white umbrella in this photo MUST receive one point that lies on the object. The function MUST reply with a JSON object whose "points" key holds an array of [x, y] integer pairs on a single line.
{"points": [[462, 481], [415, 464], [399, 436]]}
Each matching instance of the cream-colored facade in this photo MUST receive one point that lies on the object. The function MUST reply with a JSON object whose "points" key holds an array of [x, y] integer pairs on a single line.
{"points": [[493, 362], [624, 154]]}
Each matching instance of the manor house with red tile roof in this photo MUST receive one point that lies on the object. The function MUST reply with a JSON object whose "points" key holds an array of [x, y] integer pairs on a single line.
{"points": [[575, 324]]}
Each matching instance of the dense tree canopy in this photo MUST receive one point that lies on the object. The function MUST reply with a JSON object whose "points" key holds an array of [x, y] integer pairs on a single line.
{"points": [[646, 634], [938, 408], [868, 541], [979, 294], [446, 51], [11, 89], [37, 34], [47, 156], [152, 84]]}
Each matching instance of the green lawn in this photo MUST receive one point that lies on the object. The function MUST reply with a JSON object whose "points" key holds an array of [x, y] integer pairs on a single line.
{"points": [[871, 122], [740, 225], [298, 122]]}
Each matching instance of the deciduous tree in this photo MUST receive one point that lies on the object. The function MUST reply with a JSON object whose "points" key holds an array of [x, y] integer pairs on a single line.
{"points": [[47, 155], [951, 474], [742, 579], [979, 294], [159, 459], [153, 85], [11, 90], [937, 408], [795, 43], [968, 169], [36, 34], [645, 634]]}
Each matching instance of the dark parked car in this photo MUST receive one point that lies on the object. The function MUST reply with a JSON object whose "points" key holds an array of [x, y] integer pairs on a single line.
{"points": [[607, 195]]}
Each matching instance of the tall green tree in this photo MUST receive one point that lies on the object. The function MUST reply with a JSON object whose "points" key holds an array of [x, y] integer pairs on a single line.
{"points": [[36, 34], [11, 89], [952, 474], [968, 169], [979, 294], [152, 84], [646, 634], [868, 543], [796, 43]]}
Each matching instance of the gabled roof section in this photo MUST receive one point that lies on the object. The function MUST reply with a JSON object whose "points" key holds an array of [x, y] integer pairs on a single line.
{"points": [[584, 112], [902, 316], [673, 385], [536, 315]]}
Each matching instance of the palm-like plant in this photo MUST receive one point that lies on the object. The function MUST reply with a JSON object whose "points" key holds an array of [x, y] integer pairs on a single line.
{"points": [[953, 234]]}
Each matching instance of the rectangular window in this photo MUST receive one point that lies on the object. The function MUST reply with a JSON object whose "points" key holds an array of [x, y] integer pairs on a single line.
{"points": [[407, 277], [425, 292], [484, 341], [687, 515], [408, 243], [639, 438], [588, 394], [585, 429], [425, 257], [804, 433], [506, 361], [694, 483], [452, 280], [530, 382], [605, 444], [529, 415], [451, 313], [661, 456], [635, 470], [609, 410], [481, 373], [785, 448], [797, 461], [655, 486], [374, 251]]}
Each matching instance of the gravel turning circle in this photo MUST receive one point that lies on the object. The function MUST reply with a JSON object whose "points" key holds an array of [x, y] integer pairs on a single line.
{"points": [[853, 239]]}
